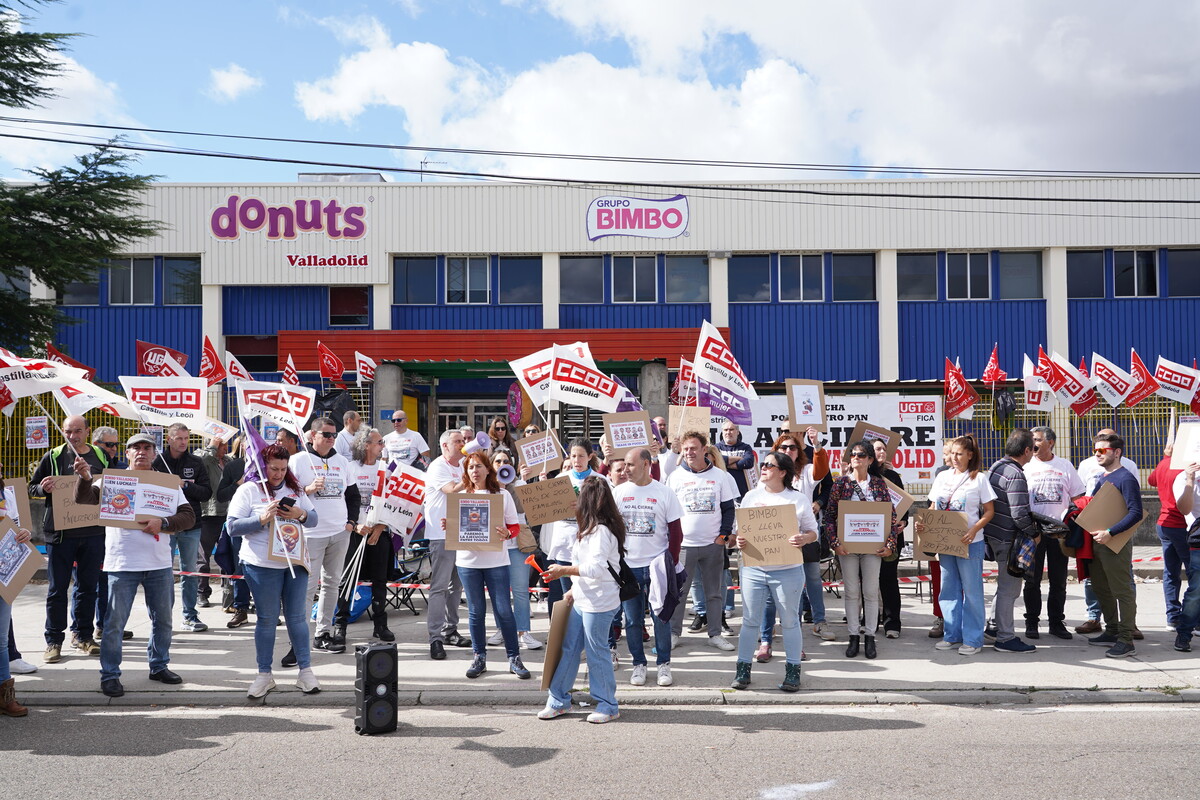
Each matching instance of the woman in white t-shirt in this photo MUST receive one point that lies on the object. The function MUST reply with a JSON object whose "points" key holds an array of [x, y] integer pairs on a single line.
{"points": [[518, 570], [557, 536], [785, 583], [254, 514], [964, 488]]}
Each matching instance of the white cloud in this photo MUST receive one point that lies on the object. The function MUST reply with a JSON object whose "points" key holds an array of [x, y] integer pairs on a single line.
{"points": [[230, 83]]}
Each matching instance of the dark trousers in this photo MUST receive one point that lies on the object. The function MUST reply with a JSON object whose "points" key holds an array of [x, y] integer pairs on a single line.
{"points": [[81, 556], [889, 594], [13, 652], [1050, 555], [376, 565], [210, 532]]}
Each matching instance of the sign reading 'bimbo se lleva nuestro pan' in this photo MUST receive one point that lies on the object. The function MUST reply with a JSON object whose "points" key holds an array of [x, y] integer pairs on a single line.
{"points": [[637, 216]]}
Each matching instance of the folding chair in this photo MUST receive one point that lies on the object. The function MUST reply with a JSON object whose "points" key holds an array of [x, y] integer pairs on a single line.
{"points": [[413, 566]]}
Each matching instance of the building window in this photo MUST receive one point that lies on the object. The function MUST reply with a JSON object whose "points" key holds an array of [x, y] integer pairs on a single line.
{"points": [[468, 280], [256, 353], [801, 278], [131, 282], [749, 278], [853, 277], [1020, 275], [349, 305], [1135, 273], [414, 281], [181, 281], [967, 276], [581, 279], [84, 292], [916, 276], [1085, 274], [687, 279], [1184, 276], [634, 279], [520, 280]]}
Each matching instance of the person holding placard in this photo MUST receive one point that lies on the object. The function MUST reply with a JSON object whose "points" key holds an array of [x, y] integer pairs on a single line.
{"points": [[9, 707], [1187, 499], [963, 488], [861, 482], [518, 570], [254, 516], [784, 583], [1012, 516], [480, 569], [558, 535]]}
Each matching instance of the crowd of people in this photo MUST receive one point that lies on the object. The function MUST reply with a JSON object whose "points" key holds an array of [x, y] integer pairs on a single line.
{"points": [[652, 525]]}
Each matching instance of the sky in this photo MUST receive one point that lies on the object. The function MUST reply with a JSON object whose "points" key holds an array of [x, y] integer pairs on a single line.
{"points": [[1022, 84]]}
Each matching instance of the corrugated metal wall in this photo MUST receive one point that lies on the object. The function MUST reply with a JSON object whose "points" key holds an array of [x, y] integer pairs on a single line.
{"points": [[104, 337], [931, 332], [774, 342], [1166, 327], [266, 310], [465, 317], [634, 315]]}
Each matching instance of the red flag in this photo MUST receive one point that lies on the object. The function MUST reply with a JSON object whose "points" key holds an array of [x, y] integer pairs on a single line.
{"points": [[960, 395], [210, 363], [331, 366], [1083, 367], [1088, 400], [236, 370], [992, 372], [7, 402], [1143, 380], [54, 354], [1195, 404], [289, 373], [150, 357]]}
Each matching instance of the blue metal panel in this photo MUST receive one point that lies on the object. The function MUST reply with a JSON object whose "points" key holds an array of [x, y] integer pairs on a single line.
{"points": [[1165, 327], [931, 332], [266, 310], [777, 341], [466, 317], [104, 337], [634, 315]]}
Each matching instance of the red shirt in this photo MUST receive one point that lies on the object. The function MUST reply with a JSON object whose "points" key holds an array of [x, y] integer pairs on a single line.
{"points": [[1162, 478]]}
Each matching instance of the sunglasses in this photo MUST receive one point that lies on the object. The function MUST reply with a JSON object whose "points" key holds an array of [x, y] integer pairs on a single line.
{"points": [[398, 421], [327, 434], [789, 447], [501, 427], [769, 465], [1102, 450], [108, 444], [859, 455]]}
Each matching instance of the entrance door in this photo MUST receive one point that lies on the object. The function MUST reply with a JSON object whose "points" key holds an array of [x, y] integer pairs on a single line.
{"points": [[476, 413]]}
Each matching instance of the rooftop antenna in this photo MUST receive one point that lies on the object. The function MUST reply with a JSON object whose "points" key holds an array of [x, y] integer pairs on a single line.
{"points": [[426, 162]]}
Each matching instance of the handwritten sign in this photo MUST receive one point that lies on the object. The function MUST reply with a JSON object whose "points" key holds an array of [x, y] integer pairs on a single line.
{"points": [[681, 419], [863, 526], [471, 521], [548, 501], [67, 514], [806, 405], [540, 452], [627, 431], [943, 532], [767, 530]]}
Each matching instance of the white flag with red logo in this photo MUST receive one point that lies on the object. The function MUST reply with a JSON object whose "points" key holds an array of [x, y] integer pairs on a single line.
{"points": [[714, 362], [1144, 384], [1088, 400], [287, 405], [210, 363], [163, 400], [575, 379], [533, 371], [289, 373], [8, 403], [1177, 382], [402, 496], [23, 377], [1038, 394], [1112, 383], [992, 373], [1195, 405], [150, 357], [683, 391], [1068, 385], [236, 370], [81, 397], [365, 367], [332, 367], [960, 395], [170, 368], [54, 354]]}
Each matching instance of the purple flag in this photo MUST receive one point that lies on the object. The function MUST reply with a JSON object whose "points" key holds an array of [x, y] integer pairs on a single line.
{"points": [[256, 470], [725, 402], [628, 401]]}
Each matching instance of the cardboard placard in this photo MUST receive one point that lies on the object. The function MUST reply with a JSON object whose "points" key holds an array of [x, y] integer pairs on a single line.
{"points": [[18, 562], [130, 496], [766, 530], [16, 502], [865, 431], [627, 431], [64, 511], [540, 452], [1106, 509], [806, 405], [288, 544], [559, 619], [1186, 449], [548, 501], [681, 419], [866, 523], [901, 500], [471, 521], [943, 533]]}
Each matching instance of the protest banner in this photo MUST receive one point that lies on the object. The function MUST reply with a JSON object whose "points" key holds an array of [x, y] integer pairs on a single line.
{"points": [[942, 532], [65, 512], [164, 400], [863, 525], [866, 432], [767, 530], [471, 522], [19, 562]]}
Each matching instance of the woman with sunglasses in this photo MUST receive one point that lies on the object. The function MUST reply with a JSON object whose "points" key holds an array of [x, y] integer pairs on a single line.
{"points": [[518, 570], [862, 481], [781, 582], [502, 440]]}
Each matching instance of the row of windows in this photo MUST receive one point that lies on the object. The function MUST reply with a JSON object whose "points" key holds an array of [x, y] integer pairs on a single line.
{"points": [[801, 278], [968, 276], [131, 282], [1135, 273]]}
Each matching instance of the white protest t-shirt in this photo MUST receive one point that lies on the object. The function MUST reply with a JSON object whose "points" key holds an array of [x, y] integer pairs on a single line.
{"points": [[330, 502], [135, 551], [440, 473], [700, 496], [343, 442], [405, 447], [1090, 470], [1178, 487], [251, 501], [1052, 484], [759, 496], [647, 511], [485, 559], [366, 477], [958, 491]]}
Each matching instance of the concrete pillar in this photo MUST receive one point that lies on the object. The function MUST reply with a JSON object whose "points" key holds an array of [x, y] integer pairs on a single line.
{"points": [[654, 388], [1054, 288], [550, 290], [718, 291], [888, 308], [381, 307], [389, 394]]}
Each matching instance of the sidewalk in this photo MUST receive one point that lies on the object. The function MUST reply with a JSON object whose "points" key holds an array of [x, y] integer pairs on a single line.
{"points": [[218, 665]]}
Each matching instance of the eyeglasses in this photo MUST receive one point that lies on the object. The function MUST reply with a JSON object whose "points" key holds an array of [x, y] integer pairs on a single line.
{"points": [[769, 465], [108, 444], [398, 421], [789, 447], [859, 455], [326, 434], [1102, 450]]}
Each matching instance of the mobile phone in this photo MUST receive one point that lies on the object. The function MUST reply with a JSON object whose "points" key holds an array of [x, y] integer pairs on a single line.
{"points": [[287, 502]]}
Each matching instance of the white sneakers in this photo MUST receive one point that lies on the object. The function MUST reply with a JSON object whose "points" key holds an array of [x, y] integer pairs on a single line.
{"points": [[967, 650], [19, 666], [638, 678], [263, 683], [824, 633], [720, 644], [674, 640], [307, 682], [944, 645], [596, 718], [664, 675], [550, 712], [526, 640], [496, 638]]}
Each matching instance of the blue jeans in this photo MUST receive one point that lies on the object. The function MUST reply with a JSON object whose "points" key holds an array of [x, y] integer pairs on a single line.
{"points": [[812, 597], [241, 590], [635, 611], [1175, 558], [785, 587], [961, 597], [518, 579], [5, 623], [496, 581], [1189, 613], [271, 589], [158, 585], [187, 543], [83, 556], [586, 630]]}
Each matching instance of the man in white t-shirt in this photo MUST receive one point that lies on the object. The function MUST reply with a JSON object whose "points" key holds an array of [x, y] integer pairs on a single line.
{"points": [[135, 558], [445, 589], [707, 495], [1053, 485], [405, 445], [351, 422]]}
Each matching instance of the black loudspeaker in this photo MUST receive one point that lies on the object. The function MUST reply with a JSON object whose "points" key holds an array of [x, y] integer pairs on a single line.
{"points": [[375, 709]]}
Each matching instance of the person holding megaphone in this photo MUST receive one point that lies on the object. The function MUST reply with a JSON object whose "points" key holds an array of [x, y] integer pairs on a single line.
{"points": [[518, 571]]}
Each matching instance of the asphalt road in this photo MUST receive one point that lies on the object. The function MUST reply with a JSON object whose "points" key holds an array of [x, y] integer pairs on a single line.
{"points": [[776, 753]]}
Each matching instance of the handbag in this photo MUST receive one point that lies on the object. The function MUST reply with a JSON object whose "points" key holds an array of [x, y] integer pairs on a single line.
{"points": [[526, 542], [627, 583]]}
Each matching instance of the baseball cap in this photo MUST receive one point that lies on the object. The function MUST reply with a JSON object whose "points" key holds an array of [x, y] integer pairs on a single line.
{"points": [[138, 438]]}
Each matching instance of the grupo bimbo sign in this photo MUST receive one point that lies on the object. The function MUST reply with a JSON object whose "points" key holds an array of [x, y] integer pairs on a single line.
{"points": [[637, 216]]}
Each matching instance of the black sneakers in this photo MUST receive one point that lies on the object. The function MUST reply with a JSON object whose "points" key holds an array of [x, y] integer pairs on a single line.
{"points": [[1120, 650], [478, 667], [699, 623], [324, 641]]}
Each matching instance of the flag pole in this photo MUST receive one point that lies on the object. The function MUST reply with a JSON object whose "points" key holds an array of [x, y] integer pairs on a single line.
{"points": [[49, 416]]}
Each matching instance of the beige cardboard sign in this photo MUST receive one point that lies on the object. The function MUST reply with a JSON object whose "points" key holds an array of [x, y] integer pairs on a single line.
{"points": [[548, 501], [559, 619], [681, 419], [471, 521], [767, 530], [901, 500], [19, 562], [540, 452], [863, 526], [289, 545], [131, 496], [627, 431], [865, 431], [806, 405], [1186, 449], [67, 514], [1106, 509], [16, 502], [942, 534]]}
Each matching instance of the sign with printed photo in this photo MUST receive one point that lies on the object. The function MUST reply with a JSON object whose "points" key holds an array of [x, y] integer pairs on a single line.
{"points": [[806, 405], [129, 496], [37, 433], [288, 543], [863, 526], [540, 452], [627, 431], [471, 521], [866, 432], [19, 562]]}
